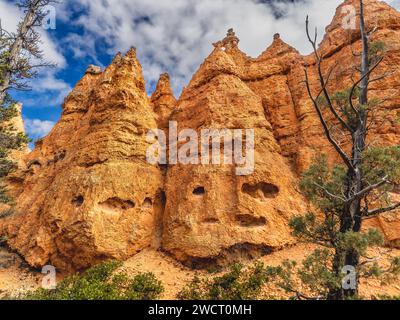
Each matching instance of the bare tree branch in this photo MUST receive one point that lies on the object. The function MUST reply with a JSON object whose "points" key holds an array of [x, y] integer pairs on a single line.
{"points": [[322, 79], [329, 194], [328, 134], [23, 46], [358, 82], [368, 189], [383, 210]]}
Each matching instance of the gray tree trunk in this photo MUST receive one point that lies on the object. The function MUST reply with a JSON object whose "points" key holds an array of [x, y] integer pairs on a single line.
{"points": [[17, 46], [351, 217]]}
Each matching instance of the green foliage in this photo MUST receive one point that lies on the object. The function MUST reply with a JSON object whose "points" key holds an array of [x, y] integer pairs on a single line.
{"points": [[341, 102], [315, 275], [344, 196], [321, 186], [310, 229], [10, 139], [6, 213], [237, 284], [7, 110], [315, 278], [318, 273], [282, 275], [103, 282], [214, 269], [359, 242], [379, 162], [376, 50], [14, 69], [145, 286], [392, 274], [4, 198], [195, 290], [325, 187]]}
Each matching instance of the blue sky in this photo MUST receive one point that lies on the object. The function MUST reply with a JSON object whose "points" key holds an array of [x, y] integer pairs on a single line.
{"points": [[172, 36]]}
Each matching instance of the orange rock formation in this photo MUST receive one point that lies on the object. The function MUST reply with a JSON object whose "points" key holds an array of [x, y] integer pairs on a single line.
{"points": [[86, 193]]}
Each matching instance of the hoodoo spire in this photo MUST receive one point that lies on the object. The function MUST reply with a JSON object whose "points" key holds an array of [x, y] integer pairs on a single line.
{"points": [[231, 41], [163, 100]]}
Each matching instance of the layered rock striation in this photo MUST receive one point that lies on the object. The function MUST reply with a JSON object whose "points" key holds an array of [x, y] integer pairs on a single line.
{"points": [[86, 192]]}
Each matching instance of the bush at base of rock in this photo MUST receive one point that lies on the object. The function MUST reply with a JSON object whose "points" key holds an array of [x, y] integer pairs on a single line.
{"points": [[103, 282], [237, 284]]}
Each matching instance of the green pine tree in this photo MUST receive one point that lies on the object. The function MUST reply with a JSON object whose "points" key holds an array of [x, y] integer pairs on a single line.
{"points": [[20, 58], [358, 188]]}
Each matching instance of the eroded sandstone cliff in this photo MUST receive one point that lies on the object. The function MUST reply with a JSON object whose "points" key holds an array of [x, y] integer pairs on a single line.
{"points": [[211, 212], [86, 192]]}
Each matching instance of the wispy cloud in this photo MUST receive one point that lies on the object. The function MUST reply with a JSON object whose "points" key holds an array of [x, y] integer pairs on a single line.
{"points": [[394, 3], [176, 35], [37, 128], [170, 35]]}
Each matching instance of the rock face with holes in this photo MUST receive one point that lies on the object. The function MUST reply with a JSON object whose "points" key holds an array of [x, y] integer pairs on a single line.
{"points": [[212, 214], [232, 90], [86, 193]]}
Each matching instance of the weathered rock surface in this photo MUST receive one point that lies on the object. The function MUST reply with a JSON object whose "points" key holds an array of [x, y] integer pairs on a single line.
{"points": [[8, 259], [94, 70], [212, 213], [163, 101], [337, 48], [17, 156], [17, 123], [86, 193]]}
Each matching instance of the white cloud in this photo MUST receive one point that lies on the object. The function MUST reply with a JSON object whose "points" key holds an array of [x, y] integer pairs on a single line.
{"points": [[176, 35], [172, 35], [9, 16], [37, 128], [49, 88], [394, 3]]}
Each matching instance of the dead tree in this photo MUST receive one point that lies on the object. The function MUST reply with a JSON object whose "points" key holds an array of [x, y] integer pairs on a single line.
{"points": [[356, 187], [20, 52], [20, 57]]}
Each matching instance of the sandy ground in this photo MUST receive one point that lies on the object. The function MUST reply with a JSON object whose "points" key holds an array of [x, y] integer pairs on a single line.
{"points": [[18, 278]]}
